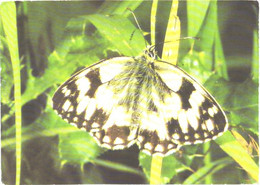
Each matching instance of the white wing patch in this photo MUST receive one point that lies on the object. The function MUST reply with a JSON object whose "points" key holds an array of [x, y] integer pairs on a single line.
{"points": [[172, 80], [104, 98]]}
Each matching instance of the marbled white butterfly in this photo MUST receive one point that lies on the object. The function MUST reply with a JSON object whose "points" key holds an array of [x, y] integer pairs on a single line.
{"points": [[126, 100]]}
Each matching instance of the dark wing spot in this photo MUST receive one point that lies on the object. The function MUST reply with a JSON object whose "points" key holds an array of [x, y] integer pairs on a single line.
{"points": [[113, 133], [220, 121], [94, 78], [121, 132], [203, 116], [185, 91], [173, 126], [153, 139], [99, 117], [206, 104]]}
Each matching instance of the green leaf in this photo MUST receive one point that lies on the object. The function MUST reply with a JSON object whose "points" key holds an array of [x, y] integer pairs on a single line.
{"points": [[119, 7], [208, 29], [220, 63], [239, 99], [194, 64], [118, 31], [196, 12], [75, 146], [78, 147], [207, 35], [221, 89], [75, 51], [245, 106], [47, 21], [47, 125]]}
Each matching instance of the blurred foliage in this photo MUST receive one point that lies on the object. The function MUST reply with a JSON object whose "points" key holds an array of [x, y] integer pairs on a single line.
{"points": [[58, 38]]}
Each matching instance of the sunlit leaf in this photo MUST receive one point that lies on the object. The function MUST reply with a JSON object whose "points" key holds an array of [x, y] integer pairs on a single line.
{"points": [[232, 147]]}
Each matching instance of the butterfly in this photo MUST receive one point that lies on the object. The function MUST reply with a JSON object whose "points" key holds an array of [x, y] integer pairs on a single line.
{"points": [[140, 100]]}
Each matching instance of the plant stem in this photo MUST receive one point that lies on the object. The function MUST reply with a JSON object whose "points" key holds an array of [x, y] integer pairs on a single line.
{"points": [[8, 12], [153, 20], [156, 168], [207, 161]]}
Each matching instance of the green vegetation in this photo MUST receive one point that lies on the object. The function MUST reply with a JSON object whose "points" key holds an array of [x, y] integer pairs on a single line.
{"points": [[58, 38]]}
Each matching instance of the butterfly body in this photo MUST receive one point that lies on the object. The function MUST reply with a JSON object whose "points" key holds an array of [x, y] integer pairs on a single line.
{"points": [[127, 100]]}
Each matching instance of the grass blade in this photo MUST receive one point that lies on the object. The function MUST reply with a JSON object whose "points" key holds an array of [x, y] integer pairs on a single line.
{"points": [[8, 12], [153, 20], [233, 148], [255, 59], [204, 171], [172, 36]]}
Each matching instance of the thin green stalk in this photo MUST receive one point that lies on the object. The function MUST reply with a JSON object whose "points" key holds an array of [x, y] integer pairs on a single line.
{"points": [[198, 176], [207, 161], [117, 166], [156, 169], [153, 20], [8, 12], [255, 58]]}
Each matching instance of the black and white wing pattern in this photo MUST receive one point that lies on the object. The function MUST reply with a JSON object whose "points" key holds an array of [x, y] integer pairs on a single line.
{"points": [[89, 102], [183, 113], [127, 100]]}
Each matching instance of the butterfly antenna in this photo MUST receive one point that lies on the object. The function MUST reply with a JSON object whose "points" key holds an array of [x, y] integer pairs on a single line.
{"points": [[139, 27]]}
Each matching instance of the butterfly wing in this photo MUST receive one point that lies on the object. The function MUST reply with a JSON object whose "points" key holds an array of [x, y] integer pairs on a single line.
{"points": [[124, 100], [179, 111], [196, 117], [88, 100]]}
